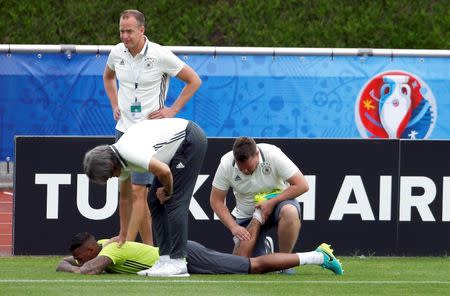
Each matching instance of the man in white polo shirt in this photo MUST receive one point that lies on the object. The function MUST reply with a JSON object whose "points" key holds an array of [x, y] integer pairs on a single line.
{"points": [[172, 149], [143, 69], [250, 169]]}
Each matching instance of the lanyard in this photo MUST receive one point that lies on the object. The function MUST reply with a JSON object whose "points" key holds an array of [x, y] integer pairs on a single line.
{"points": [[136, 74]]}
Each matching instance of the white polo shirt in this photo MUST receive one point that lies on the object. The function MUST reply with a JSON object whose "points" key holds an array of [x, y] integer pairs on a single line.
{"points": [[272, 172], [158, 138], [150, 70]]}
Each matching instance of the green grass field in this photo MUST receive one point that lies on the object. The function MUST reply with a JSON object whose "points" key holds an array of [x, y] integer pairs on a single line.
{"points": [[369, 276]]}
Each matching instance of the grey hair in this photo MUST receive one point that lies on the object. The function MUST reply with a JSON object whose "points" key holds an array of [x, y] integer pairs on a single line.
{"points": [[99, 164], [139, 16]]}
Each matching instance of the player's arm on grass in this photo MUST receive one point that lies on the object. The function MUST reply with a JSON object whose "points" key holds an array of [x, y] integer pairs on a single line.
{"points": [[94, 266], [68, 264]]}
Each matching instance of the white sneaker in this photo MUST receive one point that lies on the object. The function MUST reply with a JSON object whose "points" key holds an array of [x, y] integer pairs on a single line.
{"points": [[268, 244], [171, 268], [162, 260]]}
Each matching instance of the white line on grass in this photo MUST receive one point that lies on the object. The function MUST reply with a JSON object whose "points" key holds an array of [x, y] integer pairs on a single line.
{"points": [[151, 281]]}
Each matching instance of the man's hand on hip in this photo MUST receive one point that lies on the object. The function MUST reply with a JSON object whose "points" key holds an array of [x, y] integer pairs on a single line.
{"points": [[162, 113], [162, 195]]}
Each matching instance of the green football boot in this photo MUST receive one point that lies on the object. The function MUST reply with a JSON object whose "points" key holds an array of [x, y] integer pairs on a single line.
{"points": [[329, 261]]}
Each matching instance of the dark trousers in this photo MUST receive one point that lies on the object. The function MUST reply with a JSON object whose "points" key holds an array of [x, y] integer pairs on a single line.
{"points": [[170, 220]]}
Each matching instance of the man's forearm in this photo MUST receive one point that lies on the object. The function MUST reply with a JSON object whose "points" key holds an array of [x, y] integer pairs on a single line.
{"points": [[224, 215], [193, 82], [166, 180], [186, 94], [66, 266], [289, 193], [111, 91], [96, 265], [295, 189]]}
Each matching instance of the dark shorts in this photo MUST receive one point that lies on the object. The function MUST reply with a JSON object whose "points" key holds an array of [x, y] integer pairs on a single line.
{"points": [[144, 179], [201, 260], [272, 221]]}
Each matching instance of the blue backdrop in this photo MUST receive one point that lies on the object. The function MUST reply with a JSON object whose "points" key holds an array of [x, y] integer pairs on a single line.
{"points": [[259, 96]]}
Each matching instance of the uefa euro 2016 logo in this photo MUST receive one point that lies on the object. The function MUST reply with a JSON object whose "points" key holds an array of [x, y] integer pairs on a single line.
{"points": [[395, 105]]}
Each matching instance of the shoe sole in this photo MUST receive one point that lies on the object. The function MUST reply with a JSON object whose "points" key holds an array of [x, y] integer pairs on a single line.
{"points": [[171, 275], [180, 275]]}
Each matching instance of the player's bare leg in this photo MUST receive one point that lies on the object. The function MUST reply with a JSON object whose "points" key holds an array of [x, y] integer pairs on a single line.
{"points": [[245, 248], [145, 230], [141, 218], [273, 262], [322, 256], [288, 228]]}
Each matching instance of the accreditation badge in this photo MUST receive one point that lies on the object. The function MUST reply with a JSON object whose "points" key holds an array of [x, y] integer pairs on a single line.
{"points": [[136, 109]]}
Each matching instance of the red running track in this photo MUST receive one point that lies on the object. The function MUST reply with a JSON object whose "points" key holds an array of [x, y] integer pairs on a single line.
{"points": [[6, 212]]}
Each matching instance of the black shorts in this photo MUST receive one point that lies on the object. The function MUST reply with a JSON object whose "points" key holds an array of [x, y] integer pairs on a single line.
{"points": [[201, 260]]}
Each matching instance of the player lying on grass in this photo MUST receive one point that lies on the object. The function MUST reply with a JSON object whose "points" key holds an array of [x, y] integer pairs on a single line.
{"points": [[94, 257]]}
